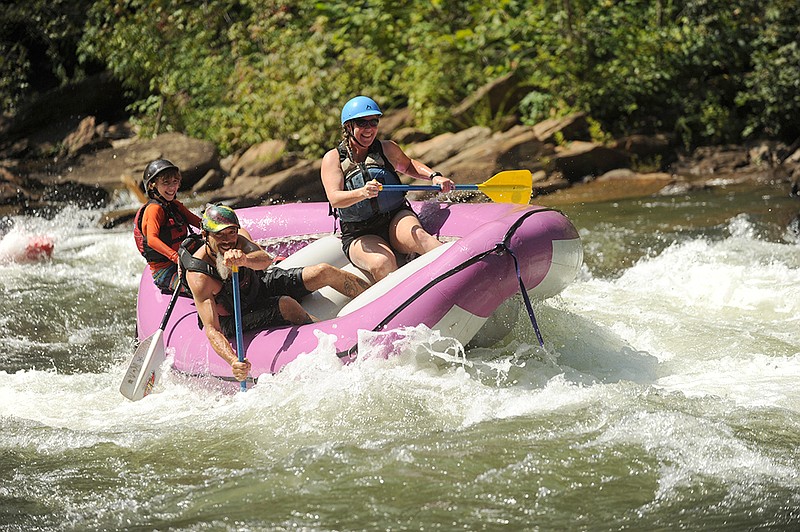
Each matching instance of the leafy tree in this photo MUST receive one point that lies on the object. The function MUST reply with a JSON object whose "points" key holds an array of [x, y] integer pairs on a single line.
{"points": [[174, 55], [238, 72], [242, 72], [37, 47], [771, 90], [697, 67]]}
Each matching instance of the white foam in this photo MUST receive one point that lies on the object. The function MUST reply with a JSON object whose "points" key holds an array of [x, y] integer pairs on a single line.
{"points": [[662, 361]]}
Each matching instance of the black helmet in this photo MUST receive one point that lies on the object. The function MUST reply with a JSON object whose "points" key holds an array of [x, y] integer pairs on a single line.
{"points": [[152, 170]]}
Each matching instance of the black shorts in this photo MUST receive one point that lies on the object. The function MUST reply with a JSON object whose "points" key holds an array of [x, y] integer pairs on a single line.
{"points": [[265, 312], [377, 225]]}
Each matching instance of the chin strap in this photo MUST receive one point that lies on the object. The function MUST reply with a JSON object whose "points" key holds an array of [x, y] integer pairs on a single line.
{"points": [[350, 135], [159, 196]]}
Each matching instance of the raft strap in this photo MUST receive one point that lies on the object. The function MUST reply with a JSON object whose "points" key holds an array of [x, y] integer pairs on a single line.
{"points": [[525, 296]]}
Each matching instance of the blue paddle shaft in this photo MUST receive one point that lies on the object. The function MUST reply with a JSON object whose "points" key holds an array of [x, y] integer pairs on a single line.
{"points": [[426, 187], [237, 317]]}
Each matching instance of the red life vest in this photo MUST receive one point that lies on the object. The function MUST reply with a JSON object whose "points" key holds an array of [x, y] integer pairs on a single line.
{"points": [[172, 232]]}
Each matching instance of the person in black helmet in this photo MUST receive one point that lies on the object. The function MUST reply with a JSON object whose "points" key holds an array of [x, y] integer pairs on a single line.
{"points": [[374, 225], [162, 223]]}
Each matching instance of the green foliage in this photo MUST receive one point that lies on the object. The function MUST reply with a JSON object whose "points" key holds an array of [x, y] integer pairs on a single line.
{"points": [[174, 55], [536, 106], [597, 133], [700, 68], [239, 72], [243, 72], [647, 165], [771, 90], [37, 46], [14, 68]]}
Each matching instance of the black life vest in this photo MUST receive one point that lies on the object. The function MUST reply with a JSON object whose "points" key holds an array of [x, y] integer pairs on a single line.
{"points": [[356, 175], [251, 287], [172, 231]]}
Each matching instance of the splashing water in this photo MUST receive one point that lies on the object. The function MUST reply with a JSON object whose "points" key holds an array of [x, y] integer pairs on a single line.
{"points": [[665, 397]]}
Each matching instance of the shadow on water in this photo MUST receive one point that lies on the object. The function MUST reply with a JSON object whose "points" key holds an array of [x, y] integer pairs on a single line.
{"points": [[580, 350]]}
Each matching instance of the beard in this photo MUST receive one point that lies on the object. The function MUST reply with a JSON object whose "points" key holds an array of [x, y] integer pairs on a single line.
{"points": [[223, 270]]}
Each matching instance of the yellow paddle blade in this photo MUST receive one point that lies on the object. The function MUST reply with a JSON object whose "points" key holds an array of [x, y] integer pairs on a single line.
{"points": [[510, 186]]}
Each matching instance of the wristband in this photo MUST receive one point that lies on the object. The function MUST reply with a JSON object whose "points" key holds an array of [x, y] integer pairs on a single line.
{"points": [[435, 174]]}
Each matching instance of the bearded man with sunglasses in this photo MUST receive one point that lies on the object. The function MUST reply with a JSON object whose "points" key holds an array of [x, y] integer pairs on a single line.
{"points": [[375, 225], [269, 296]]}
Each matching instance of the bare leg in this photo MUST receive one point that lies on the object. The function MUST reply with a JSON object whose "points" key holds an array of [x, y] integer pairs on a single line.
{"points": [[294, 313], [408, 236], [373, 255], [346, 283]]}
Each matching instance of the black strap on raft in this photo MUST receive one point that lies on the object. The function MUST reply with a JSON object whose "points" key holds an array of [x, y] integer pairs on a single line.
{"points": [[525, 295], [500, 247]]}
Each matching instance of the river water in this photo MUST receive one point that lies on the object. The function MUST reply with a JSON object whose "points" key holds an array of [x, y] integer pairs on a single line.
{"points": [[666, 397]]}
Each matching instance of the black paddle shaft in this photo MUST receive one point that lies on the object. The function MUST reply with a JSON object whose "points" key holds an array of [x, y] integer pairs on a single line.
{"points": [[171, 306]]}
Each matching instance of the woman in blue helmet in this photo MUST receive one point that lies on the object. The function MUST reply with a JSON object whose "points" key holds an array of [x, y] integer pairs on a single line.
{"points": [[374, 226]]}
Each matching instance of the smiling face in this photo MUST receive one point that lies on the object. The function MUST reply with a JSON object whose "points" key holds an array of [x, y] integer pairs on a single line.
{"points": [[223, 240], [364, 129], [167, 184]]}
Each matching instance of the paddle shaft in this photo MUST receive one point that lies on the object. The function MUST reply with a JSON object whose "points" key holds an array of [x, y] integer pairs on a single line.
{"points": [[426, 187], [237, 317], [171, 306]]}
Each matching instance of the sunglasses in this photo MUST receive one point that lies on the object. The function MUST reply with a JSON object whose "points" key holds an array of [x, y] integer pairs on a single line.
{"points": [[363, 122]]}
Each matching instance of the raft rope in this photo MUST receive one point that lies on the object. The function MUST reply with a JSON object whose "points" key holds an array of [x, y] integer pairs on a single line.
{"points": [[525, 296], [499, 248]]}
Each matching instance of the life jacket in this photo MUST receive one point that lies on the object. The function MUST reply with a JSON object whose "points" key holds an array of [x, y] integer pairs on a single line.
{"points": [[172, 231], [356, 175], [251, 288]]}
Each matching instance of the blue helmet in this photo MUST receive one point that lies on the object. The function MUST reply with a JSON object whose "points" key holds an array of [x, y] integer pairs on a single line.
{"points": [[358, 107]]}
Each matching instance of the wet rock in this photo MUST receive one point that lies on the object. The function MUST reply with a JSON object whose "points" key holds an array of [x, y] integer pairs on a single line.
{"points": [[517, 148], [442, 147], [213, 180], [74, 156], [409, 135], [579, 161], [106, 168], [711, 160], [23, 195], [300, 182], [261, 159], [86, 137], [569, 128]]}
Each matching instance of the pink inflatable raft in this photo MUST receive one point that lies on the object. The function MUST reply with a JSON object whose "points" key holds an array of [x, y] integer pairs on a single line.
{"points": [[456, 289]]}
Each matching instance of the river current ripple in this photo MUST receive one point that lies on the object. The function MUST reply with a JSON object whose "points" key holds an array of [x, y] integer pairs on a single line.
{"points": [[666, 397]]}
